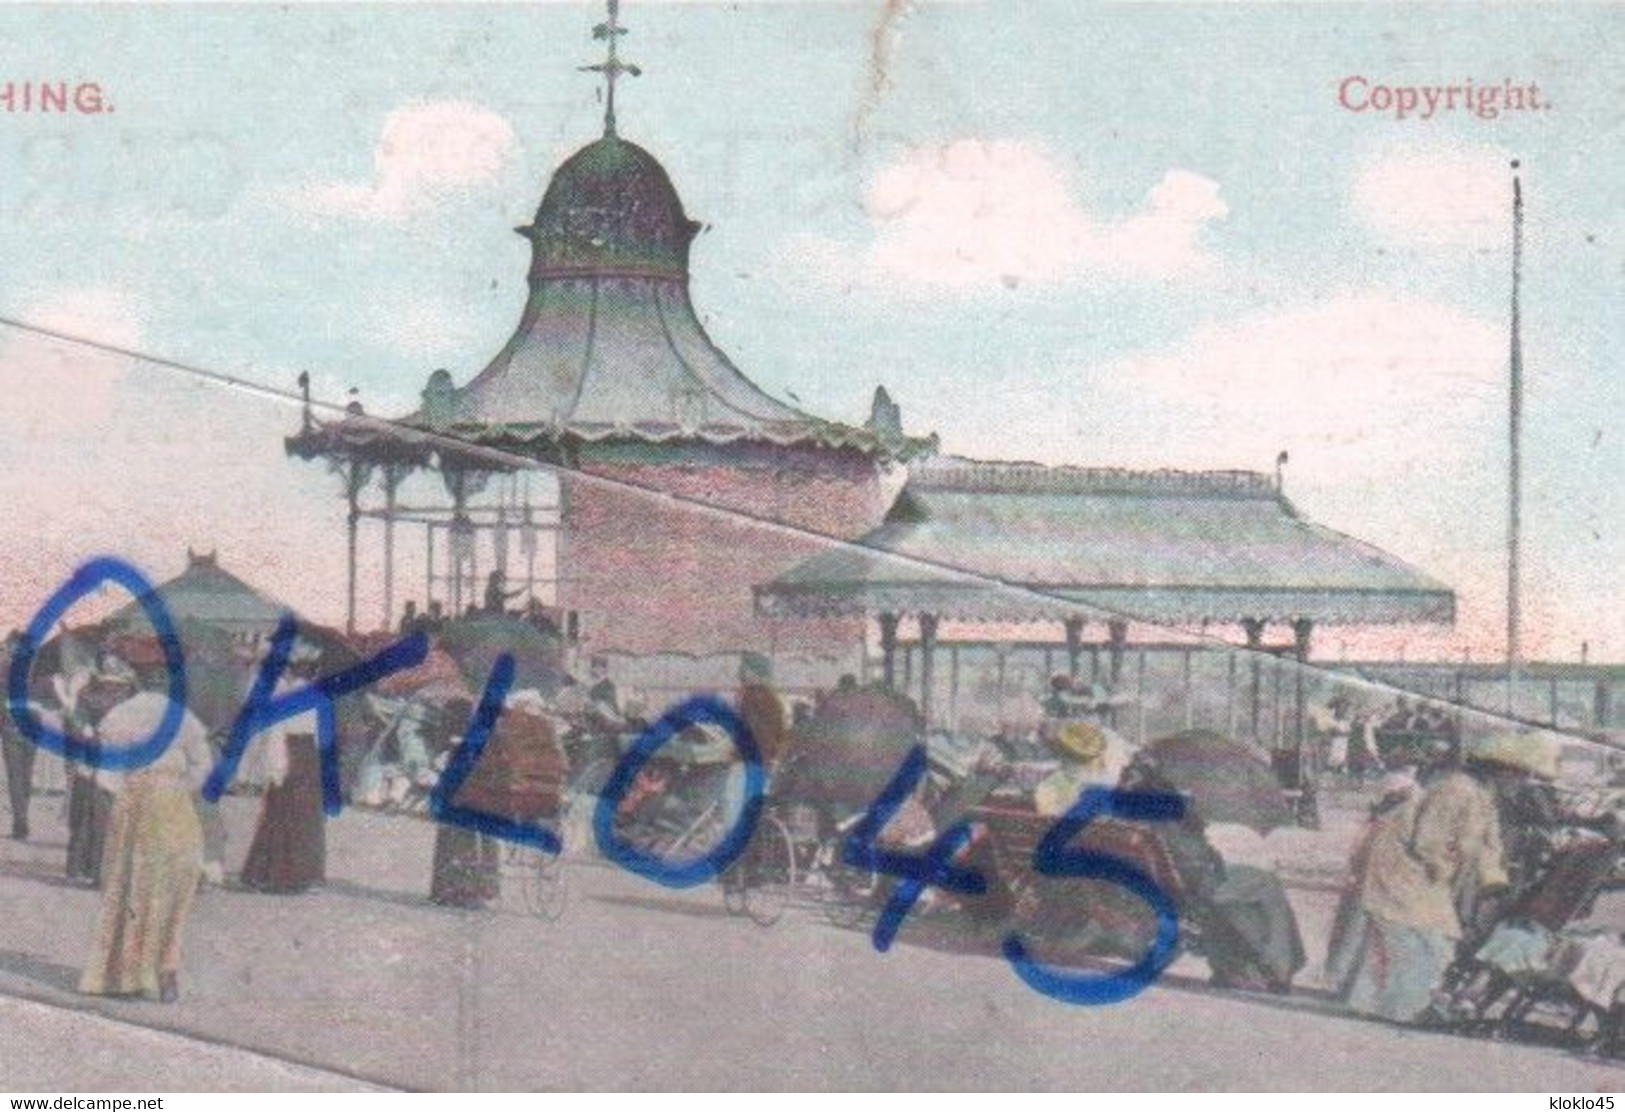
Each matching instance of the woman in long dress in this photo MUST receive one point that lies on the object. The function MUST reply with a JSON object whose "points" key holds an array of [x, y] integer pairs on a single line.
{"points": [[152, 860], [289, 851]]}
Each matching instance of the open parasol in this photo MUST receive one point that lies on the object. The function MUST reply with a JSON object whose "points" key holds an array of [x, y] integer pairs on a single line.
{"points": [[1223, 779], [851, 747], [476, 641]]}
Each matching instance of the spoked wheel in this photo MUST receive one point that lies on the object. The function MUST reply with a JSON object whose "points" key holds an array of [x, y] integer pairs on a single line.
{"points": [[542, 885], [850, 895], [768, 872]]}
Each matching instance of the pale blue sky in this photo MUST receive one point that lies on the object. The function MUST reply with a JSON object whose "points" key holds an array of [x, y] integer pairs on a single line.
{"points": [[191, 204]]}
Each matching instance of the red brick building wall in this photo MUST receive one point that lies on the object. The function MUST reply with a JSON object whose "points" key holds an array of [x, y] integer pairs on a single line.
{"points": [[646, 573]]}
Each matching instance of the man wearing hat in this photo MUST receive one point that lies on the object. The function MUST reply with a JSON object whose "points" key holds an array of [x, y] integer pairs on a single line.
{"points": [[1081, 747], [1520, 770], [1422, 869]]}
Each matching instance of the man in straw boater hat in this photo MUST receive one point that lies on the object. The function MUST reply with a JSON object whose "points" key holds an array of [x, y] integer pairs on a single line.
{"points": [[1077, 729], [1081, 748], [1426, 861]]}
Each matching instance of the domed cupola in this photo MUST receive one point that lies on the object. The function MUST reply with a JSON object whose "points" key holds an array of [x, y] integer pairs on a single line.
{"points": [[608, 346], [610, 210]]}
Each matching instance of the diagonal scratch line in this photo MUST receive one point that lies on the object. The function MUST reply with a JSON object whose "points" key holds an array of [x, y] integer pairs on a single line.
{"points": [[942, 572]]}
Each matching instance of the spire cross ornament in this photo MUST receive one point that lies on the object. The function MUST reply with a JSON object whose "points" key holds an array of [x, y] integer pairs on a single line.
{"points": [[611, 67]]}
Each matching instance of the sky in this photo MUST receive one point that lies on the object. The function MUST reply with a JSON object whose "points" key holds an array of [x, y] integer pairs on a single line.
{"points": [[1126, 235]]}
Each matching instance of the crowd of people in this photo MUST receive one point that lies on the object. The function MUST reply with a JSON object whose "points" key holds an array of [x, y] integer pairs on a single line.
{"points": [[1358, 743], [1454, 851], [1448, 833], [149, 839]]}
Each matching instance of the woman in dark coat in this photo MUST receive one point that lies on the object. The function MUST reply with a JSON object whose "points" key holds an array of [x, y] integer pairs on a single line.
{"points": [[91, 790], [289, 851]]}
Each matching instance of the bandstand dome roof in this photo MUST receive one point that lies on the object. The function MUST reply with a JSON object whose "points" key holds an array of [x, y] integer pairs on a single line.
{"points": [[611, 209], [608, 346]]}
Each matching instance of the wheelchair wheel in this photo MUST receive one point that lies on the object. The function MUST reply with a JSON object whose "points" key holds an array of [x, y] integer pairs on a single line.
{"points": [[542, 885], [769, 872], [850, 896]]}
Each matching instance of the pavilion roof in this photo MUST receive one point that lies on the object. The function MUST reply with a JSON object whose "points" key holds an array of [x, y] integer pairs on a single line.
{"points": [[609, 346], [1012, 542], [209, 595]]}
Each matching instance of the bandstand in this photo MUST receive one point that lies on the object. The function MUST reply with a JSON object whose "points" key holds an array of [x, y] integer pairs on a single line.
{"points": [[599, 431]]}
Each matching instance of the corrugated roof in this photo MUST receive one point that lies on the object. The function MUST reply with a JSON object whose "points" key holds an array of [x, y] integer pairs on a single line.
{"points": [[1153, 546]]}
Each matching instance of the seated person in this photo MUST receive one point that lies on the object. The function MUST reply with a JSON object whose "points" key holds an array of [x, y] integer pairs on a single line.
{"points": [[1081, 748], [1249, 931]]}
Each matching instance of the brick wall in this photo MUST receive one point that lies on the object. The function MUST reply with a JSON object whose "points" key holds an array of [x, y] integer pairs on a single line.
{"points": [[649, 574]]}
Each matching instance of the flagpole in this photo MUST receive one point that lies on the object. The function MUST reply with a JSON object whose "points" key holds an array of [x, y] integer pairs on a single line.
{"points": [[1515, 457]]}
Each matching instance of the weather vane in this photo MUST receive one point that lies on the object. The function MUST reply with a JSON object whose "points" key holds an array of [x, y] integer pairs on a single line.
{"points": [[611, 67]]}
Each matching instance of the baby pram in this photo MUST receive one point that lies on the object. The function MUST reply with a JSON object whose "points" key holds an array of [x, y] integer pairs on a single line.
{"points": [[521, 777], [1529, 974]]}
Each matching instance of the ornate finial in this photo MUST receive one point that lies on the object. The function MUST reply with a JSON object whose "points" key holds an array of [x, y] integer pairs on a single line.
{"points": [[611, 67]]}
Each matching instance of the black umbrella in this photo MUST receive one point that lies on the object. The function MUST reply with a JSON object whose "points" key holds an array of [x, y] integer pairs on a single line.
{"points": [[851, 747], [476, 641], [1223, 779]]}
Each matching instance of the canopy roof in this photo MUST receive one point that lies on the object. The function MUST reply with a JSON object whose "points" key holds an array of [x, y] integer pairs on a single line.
{"points": [[1024, 542], [209, 595], [608, 346]]}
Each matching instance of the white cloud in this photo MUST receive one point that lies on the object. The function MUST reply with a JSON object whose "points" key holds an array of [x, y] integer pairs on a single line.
{"points": [[1164, 239], [1362, 383], [1455, 195], [1392, 410], [425, 153], [978, 213], [1359, 387]]}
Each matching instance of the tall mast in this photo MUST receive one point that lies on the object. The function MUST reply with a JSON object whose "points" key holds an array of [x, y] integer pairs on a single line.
{"points": [[1515, 455]]}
